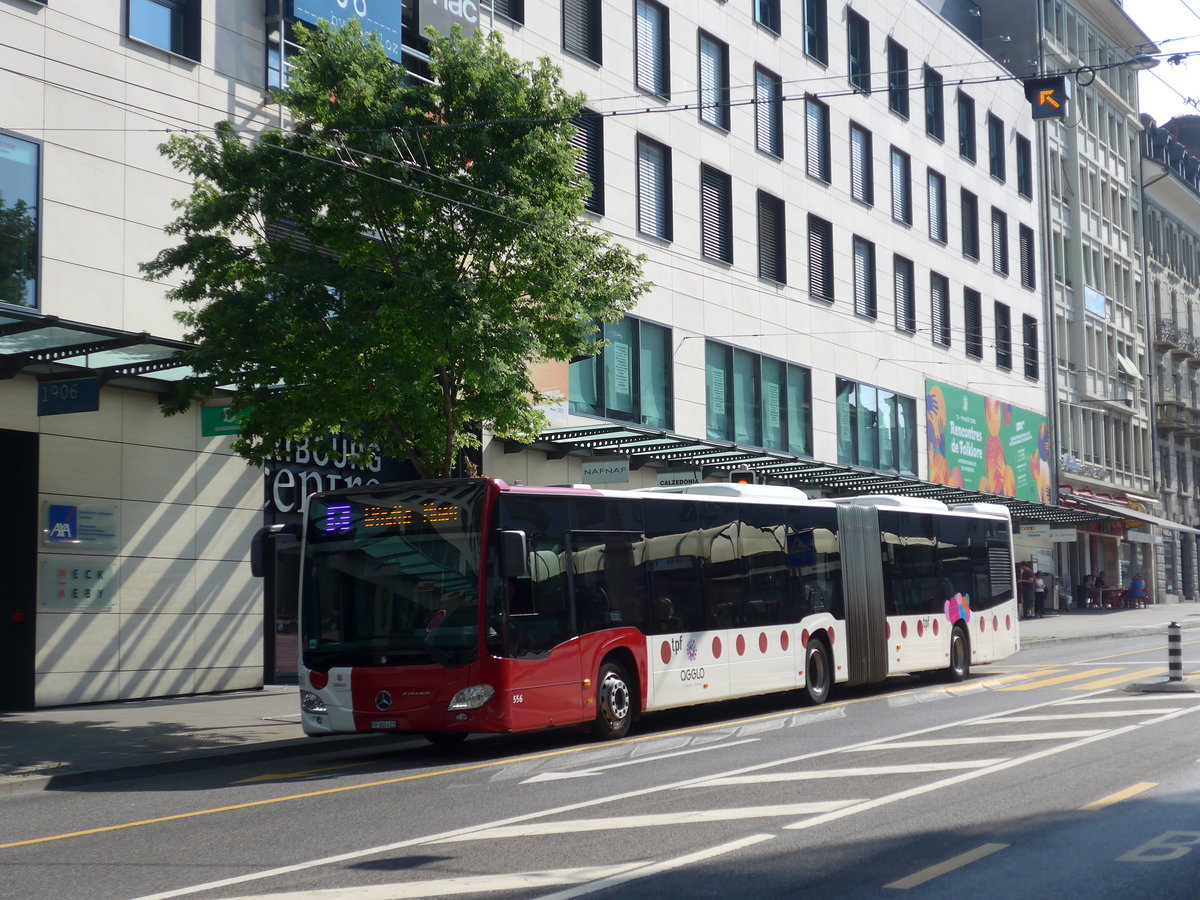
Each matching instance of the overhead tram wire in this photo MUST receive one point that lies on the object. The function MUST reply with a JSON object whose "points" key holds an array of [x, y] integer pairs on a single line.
{"points": [[844, 311]]}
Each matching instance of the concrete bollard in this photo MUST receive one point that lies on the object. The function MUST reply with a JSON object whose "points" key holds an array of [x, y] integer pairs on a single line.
{"points": [[1174, 652]]}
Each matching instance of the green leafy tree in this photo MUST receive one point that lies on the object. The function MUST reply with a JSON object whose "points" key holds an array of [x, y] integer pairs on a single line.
{"points": [[390, 265]]}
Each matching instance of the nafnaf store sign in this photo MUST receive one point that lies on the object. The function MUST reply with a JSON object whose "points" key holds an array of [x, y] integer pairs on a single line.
{"points": [[380, 17], [983, 444]]}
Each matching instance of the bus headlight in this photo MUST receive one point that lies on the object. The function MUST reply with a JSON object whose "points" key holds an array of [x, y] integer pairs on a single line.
{"points": [[311, 703], [472, 697]]}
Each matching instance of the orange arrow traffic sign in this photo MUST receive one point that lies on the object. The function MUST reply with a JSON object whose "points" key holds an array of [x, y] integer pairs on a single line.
{"points": [[1045, 97]]}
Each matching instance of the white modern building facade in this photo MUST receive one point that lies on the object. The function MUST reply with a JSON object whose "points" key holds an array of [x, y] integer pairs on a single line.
{"points": [[839, 206]]}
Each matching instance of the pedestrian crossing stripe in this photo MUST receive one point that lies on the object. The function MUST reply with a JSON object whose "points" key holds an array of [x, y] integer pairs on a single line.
{"points": [[1127, 678], [1060, 679]]}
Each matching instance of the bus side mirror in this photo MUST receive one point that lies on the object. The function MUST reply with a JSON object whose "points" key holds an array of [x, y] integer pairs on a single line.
{"points": [[514, 554], [258, 546]]}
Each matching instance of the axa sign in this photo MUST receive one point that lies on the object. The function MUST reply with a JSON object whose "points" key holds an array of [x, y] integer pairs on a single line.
{"points": [[380, 17]]}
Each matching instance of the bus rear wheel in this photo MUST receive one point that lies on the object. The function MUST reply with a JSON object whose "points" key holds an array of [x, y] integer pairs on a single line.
{"points": [[960, 656], [614, 703], [818, 673]]}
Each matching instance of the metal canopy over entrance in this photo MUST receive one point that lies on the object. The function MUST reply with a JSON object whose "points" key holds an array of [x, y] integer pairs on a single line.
{"points": [[1133, 515], [647, 446], [50, 348]]}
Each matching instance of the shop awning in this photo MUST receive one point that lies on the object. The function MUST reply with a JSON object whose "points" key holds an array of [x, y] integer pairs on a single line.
{"points": [[660, 448], [50, 348], [1125, 512]]}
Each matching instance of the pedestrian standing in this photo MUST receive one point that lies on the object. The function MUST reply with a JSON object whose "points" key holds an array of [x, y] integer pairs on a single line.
{"points": [[1025, 589], [1039, 595]]}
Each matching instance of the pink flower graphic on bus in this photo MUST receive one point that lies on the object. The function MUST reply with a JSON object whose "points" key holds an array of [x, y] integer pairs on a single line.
{"points": [[958, 607], [692, 650]]}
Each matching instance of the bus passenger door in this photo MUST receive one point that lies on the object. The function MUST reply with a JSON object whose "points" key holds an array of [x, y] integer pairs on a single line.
{"points": [[543, 683]]}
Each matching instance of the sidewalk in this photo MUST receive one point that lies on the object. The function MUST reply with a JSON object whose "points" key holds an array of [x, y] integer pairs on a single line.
{"points": [[67, 746]]}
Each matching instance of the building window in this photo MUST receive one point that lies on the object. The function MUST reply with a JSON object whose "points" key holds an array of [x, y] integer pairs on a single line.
{"points": [[513, 10], [654, 188], [772, 258], [906, 298], [973, 323], [630, 379], [767, 14], [901, 187], [1029, 343], [820, 258], [996, 164], [20, 161], [897, 57], [937, 206], [714, 82], [582, 28], [757, 400], [970, 225], [589, 142], [1004, 355], [862, 182], [876, 428], [939, 308], [966, 127], [716, 214], [768, 112], [1024, 167], [935, 112], [171, 25], [816, 139], [999, 242], [1028, 273], [864, 278], [858, 41], [816, 31], [653, 49]]}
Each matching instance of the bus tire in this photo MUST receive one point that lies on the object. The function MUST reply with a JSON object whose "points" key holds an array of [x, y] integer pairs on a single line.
{"points": [[818, 672], [960, 656], [614, 702], [445, 740]]}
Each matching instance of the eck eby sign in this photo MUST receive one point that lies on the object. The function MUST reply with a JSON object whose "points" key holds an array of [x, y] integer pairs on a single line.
{"points": [[380, 17]]}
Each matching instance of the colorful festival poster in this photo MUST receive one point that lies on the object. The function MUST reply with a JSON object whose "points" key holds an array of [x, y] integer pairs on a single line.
{"points": [[983, 444]]}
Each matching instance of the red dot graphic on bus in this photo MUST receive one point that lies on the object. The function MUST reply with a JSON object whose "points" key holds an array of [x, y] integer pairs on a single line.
{"points": [[995, 623], [318, 680], [741, 645], [1008, 623], [804, 638], [666, 652], [903, 629], [783, 640], [829, 634], [935, 627], [762, 642], [888, 626], [982, 624], [920, 629], [716, 648]]}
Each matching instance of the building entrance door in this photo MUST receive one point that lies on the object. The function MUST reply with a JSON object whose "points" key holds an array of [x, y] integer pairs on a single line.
{"points": [[18, 599]]}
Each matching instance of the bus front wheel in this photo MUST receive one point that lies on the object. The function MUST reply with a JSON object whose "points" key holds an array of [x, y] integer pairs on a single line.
{"points": [[818, 673], [960, 656], [614, 703]]}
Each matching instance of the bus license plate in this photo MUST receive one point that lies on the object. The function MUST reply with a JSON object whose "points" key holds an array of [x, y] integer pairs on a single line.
{"points": [[383, 726]]}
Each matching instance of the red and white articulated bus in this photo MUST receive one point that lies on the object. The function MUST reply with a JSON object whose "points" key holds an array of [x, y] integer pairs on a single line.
{"points": [[449, 607]]}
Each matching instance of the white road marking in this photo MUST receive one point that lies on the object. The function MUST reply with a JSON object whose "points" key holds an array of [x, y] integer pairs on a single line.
{"points": [[655, 820], [365, 852], [454, 887], [1108, 714], [665, 866], [852, 772], [967, 741], [594, 770], [1128, 698]]}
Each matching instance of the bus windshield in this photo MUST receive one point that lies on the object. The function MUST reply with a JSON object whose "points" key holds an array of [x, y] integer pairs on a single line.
{"points": [[391, 577]]}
